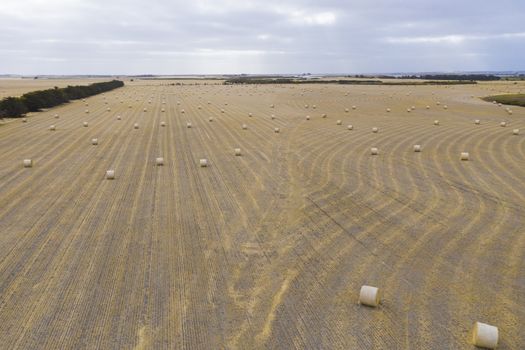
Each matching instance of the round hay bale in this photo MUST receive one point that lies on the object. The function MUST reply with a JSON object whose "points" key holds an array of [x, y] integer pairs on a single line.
{"points": [[210, 119], [145, 109], [182, 111], [110, 174], [307, 117], [477, 122], [305, 106], [85, 124], [188, 125], [222, 110], [52, 128], [339, 122], [417, 148], [436, 122], [203, 162], [388, 110], [272, 117], [94, 142], [250, 115], [438, 103], [276, 130], [445, 107], [119, 117], [314, 106], [413, 108], [350, 127], [354, 107], [162, 124], [464, 156], [24, 120], [28, 163], [87, 111], [485, 335], [159, 161], [199, 107], [516, 132], [245, 127], [108, 109], [374, 151], [237, 151], [57, 116], [375, 130], [163, 110], [369, 296], [409, 110], [503, 124], [272, 106], [346, 110], [136, 125], [427, 107], [324, 115]]}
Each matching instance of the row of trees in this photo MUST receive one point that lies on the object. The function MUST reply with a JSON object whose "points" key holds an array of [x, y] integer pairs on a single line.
{"points": [[36, 100]]}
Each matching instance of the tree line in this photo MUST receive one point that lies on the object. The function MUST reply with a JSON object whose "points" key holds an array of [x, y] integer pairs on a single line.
{"points": [[36, 100]]}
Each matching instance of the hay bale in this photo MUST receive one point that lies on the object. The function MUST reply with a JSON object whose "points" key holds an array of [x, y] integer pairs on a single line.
{"points": [[307, 117], [210, 119], [145, 109], [24, 120], [339, 122], [354, 107], [417, 148], [188, 125], [162, 124], [222, 110], [87, 111], [445, 107], [388, 110], [346, 110], [237, 151], [375, 130], [503, 124], [245, 127], [94, 142], [324, 115], [85, 124], [314, 106], [350, 127], [57, 116], [28, 163], [52, 128], [272, 117], [485, 335], [159, 161], [203, 162], [250, 115], [163, 110], [119, 117], [182, 111], [108, 109], [374, 151], [409, 110], [516, 132], [272, 106], [464, 156], [436, 122], [305, 106], [276, 130], [369, 296], [110, 174], [477, 121], [136, 125]]}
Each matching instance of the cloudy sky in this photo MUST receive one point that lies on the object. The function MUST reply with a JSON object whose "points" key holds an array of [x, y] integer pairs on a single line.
{"points": [[252, 36]]}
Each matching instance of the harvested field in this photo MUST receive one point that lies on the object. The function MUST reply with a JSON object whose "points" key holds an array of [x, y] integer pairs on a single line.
{"points": [[267, 250], [17, 87]]}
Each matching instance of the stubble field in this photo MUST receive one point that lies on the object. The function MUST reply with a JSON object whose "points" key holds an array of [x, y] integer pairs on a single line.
{"points": [[266, 250]]}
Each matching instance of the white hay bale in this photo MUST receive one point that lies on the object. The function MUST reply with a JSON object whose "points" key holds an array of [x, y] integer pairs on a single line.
{"points": [[130, 106], [305, 106], [465, 156], [350, 127], [110, 174], [374, 151], [209, 102], [28, 163], [87, 111], [427, 107], [413, 108], [417, 148], [436, 122], [409, 110], [346, 110], [314, 106], [24, 120], [199, 107], [237, 151], [163, 124], [339, 122], [369, 296], [477, 121], [203, 162], [188, 125], [145, 109], [245, 127], [222, 110], [375, 130], [108, 109], [438, 103], [516, 132], [210, 119], [272, 117], [485, 335], [509, 111], [94, 142], [250, 115], [307, 117], [85, 124], [276, 130], [52, 128], [272, 106], [388, 110], [445, 107], [178, 103], [354, 107], [57, 116], [159, 161], [136, 125], [182, 111], [503, 124], [324, 115], [119, 117], [163, 110]]}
